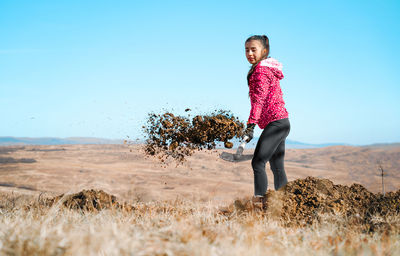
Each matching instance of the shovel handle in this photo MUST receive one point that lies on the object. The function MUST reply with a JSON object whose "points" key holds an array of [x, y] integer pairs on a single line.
{"points": [[240, 149]]}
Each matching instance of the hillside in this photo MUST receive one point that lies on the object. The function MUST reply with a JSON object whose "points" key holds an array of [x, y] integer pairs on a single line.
{"points": [[123, 170]]}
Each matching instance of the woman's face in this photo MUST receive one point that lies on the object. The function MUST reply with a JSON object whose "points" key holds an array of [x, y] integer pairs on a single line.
{"points": [[254, 51]]}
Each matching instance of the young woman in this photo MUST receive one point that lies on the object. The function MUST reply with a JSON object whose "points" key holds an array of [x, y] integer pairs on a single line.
{"points": [[269, 113]]}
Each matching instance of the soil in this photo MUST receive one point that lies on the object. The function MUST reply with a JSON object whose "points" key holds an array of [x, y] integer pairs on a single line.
{"points": [[86, 200], [176, 137], [306, 201]]}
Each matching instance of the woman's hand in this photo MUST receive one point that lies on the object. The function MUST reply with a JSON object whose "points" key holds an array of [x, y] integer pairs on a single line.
{"points": [[249, 132]]}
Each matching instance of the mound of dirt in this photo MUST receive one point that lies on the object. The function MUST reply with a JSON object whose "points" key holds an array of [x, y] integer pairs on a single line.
{"points": [[88, 200], [177, 137], [304, 201]]}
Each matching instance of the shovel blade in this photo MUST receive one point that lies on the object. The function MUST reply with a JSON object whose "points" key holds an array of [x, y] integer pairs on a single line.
{"points": [[234, 157]]}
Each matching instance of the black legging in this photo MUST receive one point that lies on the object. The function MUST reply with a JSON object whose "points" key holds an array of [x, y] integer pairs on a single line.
{"points": [[270, 147]]}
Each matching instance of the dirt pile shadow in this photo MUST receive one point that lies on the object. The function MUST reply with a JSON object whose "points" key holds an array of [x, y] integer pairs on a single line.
{"points": [[4, 150], [10, 160], [85, 200], [306, 201], [176, 137]]}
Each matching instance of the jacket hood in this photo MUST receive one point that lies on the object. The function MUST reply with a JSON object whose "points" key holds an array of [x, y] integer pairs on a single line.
{"points": [[276, 66]]}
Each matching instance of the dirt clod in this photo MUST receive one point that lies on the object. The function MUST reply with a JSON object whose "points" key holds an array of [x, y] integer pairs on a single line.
{"points": [[228, 144]]}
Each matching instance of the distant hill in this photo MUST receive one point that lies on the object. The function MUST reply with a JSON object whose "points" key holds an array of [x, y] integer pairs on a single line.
{"points": [[5, 141], [291, 144], [383, 145], [297, 144], [8, 140]]}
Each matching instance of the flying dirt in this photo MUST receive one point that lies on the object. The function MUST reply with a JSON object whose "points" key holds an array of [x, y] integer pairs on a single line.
{"points": [[176, 137]]}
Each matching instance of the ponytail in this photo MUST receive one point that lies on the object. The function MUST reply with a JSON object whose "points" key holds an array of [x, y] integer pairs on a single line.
{"points": [[266, 44]]}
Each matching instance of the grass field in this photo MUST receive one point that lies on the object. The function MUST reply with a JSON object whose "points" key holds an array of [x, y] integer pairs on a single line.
{"points": [[175, 227]]}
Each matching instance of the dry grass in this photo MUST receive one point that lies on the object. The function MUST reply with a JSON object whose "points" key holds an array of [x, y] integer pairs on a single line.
{"points": [[177, 227]]}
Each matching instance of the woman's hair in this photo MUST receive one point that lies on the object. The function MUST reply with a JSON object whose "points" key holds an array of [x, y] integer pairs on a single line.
{"points": [[263, 39]]}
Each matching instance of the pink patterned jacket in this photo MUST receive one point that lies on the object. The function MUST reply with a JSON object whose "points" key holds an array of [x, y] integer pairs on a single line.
{"points": [[267, 103]]}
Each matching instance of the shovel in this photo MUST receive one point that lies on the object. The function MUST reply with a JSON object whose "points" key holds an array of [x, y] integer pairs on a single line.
{"points": [[238, 156]]}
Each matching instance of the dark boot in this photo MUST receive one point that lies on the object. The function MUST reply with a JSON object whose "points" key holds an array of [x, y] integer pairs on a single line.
{"points": [[259, 202]]}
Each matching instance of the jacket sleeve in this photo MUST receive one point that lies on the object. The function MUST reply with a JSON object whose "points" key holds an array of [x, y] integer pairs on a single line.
{"points": [[259, 86]]}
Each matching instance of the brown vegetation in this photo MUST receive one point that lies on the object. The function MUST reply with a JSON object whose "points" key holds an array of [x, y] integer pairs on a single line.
{"points": [[186, 227]]}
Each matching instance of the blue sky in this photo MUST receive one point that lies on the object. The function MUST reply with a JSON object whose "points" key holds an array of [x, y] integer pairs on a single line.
{"points": [[96, 68]]}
